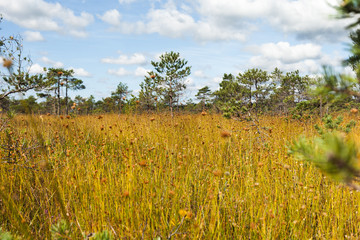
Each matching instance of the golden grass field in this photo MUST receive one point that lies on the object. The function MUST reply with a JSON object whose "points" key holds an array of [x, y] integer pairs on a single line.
{"points": [[157, 177]]}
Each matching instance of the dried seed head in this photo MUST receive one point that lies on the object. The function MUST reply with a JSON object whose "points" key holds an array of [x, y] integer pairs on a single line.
{"points": [[225, 134], [143, 163], [217, 173], [7, 63], [354, 110]]}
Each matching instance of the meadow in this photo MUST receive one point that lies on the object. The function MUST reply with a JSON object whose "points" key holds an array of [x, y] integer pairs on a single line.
{"points": [[157, 177]]}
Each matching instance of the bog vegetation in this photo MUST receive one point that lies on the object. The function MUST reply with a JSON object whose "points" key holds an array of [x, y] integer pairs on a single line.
{"points": [[154, 176], [239, 163]]}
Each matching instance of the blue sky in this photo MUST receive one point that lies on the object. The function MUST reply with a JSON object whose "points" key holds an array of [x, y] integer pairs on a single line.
{"points": [[112, 41]]}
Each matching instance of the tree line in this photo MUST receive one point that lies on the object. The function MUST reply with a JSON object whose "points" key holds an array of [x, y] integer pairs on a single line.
{"points": [[163, 88]]}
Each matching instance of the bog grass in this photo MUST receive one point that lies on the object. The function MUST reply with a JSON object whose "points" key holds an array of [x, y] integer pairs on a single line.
{"points": [[157, 177]]}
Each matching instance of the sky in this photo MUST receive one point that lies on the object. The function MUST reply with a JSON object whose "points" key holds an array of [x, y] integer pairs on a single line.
{"points": [[110, 41]]}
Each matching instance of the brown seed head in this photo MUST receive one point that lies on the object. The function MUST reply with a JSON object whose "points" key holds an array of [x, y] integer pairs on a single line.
{"points": [[354, 110], [7, 63], [143, 163], [217, 173], [225, 134]]}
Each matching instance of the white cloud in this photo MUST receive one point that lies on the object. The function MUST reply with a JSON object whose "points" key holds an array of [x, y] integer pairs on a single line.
{"points": [[307, 19], [112, 17], [36, 69], [217, 79], [81, 72], [141, 72], [40, 15], [170, 22], [307, 58], [199, 74], [119, 72], [33, 36], [214, 20], [285, 53], [136, 58], [52, 63]]}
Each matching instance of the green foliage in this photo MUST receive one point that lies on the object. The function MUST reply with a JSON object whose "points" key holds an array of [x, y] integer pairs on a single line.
{"points": [[60, 230], [147, 94], [354, 60], [331, 125], [332, 153], [120, 94], [307, 107], [230, 96], [59, 78], [256, 84], [338, 86], [349, 9], [17, 79], [6, 235], [204, 95], [170, 75], [104, 235]]}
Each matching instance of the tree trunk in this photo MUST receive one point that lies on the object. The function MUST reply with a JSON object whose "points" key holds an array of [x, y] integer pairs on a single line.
{"points": [[171, 107], [58, 97], [66, 98], [120, 106]]}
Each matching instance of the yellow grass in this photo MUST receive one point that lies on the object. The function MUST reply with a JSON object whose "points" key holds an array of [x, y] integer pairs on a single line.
{"points": [[188, 177]]}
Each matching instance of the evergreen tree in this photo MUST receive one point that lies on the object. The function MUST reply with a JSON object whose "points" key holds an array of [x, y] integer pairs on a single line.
{"points": [[170, 75]]}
